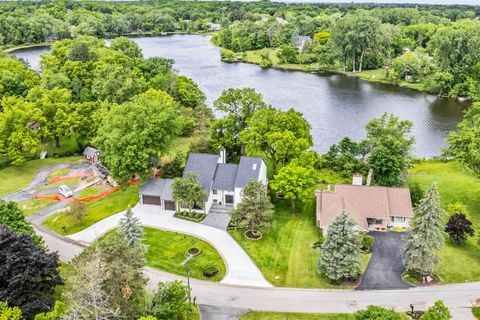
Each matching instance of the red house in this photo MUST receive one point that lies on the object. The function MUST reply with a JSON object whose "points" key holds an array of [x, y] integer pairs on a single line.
{"points": [[91, 154]]}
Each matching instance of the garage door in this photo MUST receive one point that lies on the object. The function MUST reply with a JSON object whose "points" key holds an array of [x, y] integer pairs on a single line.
{"points": [[151, 200], [170, 205]]}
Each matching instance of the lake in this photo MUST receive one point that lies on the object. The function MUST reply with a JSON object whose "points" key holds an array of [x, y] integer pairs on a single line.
{"points": [[335, 105]]}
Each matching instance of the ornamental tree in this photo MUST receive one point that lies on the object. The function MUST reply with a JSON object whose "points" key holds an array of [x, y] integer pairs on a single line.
{"points": [[28, 275], [426, 236], [295, 182], [437, 312], [12, 216], [188, 192], [340, 252], [255, 210], [170, 301], [458, 227], [135, 134]]}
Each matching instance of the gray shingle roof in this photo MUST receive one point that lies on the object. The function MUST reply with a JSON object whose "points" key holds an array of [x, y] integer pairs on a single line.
{"points": [[204, 165], [158, 187], [225, 177], [248, 169], [90, 152]]}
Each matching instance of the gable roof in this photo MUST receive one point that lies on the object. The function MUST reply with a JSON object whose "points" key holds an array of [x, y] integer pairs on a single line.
{"points": [[248, 169], [204, 166], [158, 187], [362, 202], [225, 177]]}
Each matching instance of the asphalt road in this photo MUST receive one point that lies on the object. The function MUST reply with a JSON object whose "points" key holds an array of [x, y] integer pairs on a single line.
{"points": [[458, 297], [386, 266]]}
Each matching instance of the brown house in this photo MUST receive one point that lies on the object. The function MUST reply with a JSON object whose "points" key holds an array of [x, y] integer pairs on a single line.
{"points": [[372, 208], [91, 154]]}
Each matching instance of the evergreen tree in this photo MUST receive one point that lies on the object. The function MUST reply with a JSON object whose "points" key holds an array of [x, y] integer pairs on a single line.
{"points": [[255, 209], [437, 312], [130, 228], [340, 253], [426, 236]]}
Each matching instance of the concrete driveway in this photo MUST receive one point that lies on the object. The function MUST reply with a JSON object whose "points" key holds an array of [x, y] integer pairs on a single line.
{"points": [[386, 266]]}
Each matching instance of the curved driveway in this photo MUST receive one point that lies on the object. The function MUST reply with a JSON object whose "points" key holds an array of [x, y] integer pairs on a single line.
{"points": [[240, 268]]}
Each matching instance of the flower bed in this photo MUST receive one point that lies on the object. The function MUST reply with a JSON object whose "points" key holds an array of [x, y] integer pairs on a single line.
{"points": [[194, 216]]}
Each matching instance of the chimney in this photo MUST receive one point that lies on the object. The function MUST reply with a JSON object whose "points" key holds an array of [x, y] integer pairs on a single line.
{"points": [[223, 155], [328, 188], [357, 180], [369, 177]]}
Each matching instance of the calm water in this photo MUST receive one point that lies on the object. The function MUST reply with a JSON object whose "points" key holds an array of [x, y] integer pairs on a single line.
{"points": [[335, 105]]}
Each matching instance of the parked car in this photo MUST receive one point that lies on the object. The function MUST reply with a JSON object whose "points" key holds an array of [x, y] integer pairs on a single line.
{"points": [[65, 191]]}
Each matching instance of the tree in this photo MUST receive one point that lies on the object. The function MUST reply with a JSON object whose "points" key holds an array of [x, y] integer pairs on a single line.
{"points": [[465, 141], [187, 93], [59, 310], [239, 106], [390, 142], [15, 79], [28, 275], [134, 135], [437, 312], [7, 313], [12, 216], [340, 252], [170, 301], [287, 54], [265, 61], [458, 227], [16, 138], [127, 46], [425, 237], [130, 228], [376, 313], [278, 135], [295, 182], [84, 292], [188, 192], [255, 209]]}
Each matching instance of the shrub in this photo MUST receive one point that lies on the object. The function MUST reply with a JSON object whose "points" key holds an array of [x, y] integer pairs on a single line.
{"points": [[376, 313], [437, 312], [210, 270], [367, 242]]}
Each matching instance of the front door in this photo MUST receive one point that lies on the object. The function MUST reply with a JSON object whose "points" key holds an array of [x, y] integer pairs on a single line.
{"points": [[228, 199]]}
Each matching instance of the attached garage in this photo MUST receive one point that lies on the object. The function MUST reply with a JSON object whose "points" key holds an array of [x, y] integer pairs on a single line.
{"points": [[158, 192]]}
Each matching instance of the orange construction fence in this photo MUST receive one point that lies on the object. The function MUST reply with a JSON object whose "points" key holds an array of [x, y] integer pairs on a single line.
{"points": [[104, 194]]}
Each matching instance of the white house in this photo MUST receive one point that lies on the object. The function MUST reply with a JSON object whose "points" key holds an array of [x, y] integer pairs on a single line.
{"points": [[223, 181]]}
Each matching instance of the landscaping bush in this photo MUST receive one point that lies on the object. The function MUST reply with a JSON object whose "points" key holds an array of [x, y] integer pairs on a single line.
{"points": [[367, 242], [210, 271], [191, 216], [376, 313]]}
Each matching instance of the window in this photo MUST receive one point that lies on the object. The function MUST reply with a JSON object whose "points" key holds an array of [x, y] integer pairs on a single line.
{"points": [[399, 219], [214, 200], [214, 191], [254, 167]]}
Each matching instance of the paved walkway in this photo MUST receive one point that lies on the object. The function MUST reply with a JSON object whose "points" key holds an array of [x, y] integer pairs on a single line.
{"points": [[240, 268], [385, 268], [218, 217], [458, 297]]}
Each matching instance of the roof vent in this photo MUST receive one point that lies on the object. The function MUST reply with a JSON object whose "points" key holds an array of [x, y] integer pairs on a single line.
{"points": [[254, 167]]}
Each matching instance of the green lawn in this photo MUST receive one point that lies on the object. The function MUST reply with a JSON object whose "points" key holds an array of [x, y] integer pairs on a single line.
{"points": [[59, 173], [183, 143], [285, 254], [29, 207], [257, 315], [166, 250], [254, 56], [17, 177], [97, 210], [476, 312], [92, 191], [459, 264]]}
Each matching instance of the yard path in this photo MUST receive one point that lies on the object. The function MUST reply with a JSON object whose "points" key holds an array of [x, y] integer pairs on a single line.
{"points": [[241, 270], [458, 297]]}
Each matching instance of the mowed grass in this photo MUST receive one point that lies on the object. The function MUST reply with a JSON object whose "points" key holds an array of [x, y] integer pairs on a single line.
{"points": [[256, 315], [476, 312], [29, 207], [458, 263], [285, 254], [15, 178], [96, 210], [166, 250]]}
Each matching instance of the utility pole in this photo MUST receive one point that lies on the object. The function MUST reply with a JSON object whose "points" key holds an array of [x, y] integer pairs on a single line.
{"points": [[185, 263]]}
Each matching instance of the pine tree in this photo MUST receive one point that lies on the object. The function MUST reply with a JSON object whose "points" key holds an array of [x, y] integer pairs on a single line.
{"points": [[130, 228], [340, 253], [426, 235]]}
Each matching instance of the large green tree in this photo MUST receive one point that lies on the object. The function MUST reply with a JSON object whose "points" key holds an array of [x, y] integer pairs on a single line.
{"points": [[255, 209], [188, 192], [278, 135], [465, 141], [13, 217], [238, 105], [134, 135], [170, 301], [340, 252], [426, 236]]}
